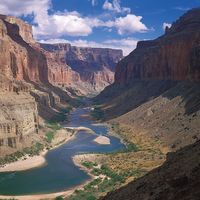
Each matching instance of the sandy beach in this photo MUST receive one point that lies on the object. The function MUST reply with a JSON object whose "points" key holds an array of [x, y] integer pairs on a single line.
{"points": [[48, 196], [25, 163], [77, 161], [102, 140], [30, 162]]}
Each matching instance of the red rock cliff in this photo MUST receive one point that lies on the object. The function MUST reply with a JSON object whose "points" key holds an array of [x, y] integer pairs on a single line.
{"points": [[173, 56], [91, 67]]}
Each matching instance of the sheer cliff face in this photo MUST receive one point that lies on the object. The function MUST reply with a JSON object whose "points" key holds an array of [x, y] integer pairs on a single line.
{"points": [[174, 56], [19, 60], [19, 114], [32, 78], [93, 67]]}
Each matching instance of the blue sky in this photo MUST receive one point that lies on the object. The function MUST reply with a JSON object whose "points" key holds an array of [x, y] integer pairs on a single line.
{"points": [[98, 23]]}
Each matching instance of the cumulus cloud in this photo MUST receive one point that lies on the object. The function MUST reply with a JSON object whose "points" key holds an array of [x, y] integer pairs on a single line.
{"points": [[18, 7], [67, 23], [59, 25], [166, 25], [130, 24], [115, 7], [126, 44]]}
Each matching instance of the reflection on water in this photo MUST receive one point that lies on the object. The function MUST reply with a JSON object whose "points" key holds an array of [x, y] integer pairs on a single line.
{"points": [[60, 173]]}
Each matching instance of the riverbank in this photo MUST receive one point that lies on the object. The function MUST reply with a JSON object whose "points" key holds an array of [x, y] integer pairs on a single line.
{"points": [[25, 163], [93, 179], [141, 155], [29, 162], [49, 196]]}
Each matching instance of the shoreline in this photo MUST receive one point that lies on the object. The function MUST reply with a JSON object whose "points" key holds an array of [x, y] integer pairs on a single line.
{"points": [[25, 163], [50, 196], [31, 162], [65, 193]]}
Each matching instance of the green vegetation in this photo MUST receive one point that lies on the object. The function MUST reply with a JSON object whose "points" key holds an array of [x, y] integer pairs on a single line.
{"points": [[62, 116], [88, 165], [50, 136], [54, 126], [59, 198], [31, 151], [82, 195], [108, 180], [130, 147], [98, 113]]}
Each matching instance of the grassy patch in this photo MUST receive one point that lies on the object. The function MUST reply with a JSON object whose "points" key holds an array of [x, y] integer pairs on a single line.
{"points": [[50, 136], [88, 165], [59, 198], [54, 126], [108, 180], [31, 151]]}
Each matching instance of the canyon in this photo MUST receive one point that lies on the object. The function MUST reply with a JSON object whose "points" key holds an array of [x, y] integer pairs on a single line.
{"points": [[89, 70], [156, 96], [38, 81], [150, 100]]}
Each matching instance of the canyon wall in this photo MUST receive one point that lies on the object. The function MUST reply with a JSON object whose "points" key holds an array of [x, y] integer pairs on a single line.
{"points": [[156, 94], [75, 67], [19, 115], [37, 81], [23, 86], [173, 56]]}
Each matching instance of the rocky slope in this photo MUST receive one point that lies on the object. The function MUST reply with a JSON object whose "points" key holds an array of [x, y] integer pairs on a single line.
{"points": [[156, 66], [88, 69], [25, 91], [173, 56], [178, 178], [156, 95]]}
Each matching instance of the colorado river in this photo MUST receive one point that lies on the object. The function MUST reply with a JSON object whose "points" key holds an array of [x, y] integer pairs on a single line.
{"points": [[60, 173]]}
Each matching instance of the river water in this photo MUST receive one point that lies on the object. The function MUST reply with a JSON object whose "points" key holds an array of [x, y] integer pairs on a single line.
{"points": [[60, 173]]}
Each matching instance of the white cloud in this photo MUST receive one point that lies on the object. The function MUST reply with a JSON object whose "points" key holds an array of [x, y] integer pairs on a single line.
{"points": [[59, 25], [73, 24], [126, 44], [19, 7], [166, 25], [129, 24], [69, 23], [115, 7]]}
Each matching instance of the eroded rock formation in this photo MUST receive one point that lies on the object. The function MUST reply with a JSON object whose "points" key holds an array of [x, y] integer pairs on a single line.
{"points": [[173, 56], [35, 78], [91, 69], [23, 72]]}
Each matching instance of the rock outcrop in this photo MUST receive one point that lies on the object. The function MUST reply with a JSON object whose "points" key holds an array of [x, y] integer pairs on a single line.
{"points": [[156, 95], [23, 84], [73, 66], [36, 80], [177, 179], [173, 56], [156, 66]]}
